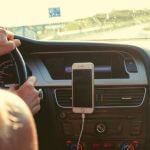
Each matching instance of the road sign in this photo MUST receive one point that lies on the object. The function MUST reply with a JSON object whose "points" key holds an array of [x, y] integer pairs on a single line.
{"points": [[54, 12]]}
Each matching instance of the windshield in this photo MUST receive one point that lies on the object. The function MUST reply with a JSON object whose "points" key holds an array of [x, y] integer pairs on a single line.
{"points": [[87, 20]]}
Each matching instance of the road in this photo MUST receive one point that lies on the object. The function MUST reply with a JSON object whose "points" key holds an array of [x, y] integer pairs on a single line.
{"points": [[132, 32], [136, 31]]}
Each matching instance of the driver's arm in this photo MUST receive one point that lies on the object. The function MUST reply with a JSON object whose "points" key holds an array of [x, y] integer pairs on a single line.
{"points": [[27, 91], [17, 127]]}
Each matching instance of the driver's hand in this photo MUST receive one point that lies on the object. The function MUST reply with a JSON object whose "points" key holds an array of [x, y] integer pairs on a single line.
{"points": [[29, 94], [7, 41]]}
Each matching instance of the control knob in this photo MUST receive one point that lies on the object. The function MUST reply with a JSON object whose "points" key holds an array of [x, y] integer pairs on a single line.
{"points": [[62, 115], [101, 128]]}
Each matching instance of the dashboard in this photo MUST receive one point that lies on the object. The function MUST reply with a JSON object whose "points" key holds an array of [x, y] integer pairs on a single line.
{"points": [[8, 70], [110, 67], [121, 115]]}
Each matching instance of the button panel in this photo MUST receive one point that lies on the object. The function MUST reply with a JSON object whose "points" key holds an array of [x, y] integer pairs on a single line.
{"points": [[130, 65]]}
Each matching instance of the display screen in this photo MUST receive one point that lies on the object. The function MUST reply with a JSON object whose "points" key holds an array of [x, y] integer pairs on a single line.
{"points": [[107, 65], [68, 69], [82, 88]]}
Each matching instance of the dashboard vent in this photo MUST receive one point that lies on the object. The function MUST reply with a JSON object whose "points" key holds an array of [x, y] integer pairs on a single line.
{"points": [[120, 97], [109, 97], [64, 97]]}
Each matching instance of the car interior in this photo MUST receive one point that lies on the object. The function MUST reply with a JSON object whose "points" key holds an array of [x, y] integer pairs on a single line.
{"points": [[113, 38], [120, 120]]}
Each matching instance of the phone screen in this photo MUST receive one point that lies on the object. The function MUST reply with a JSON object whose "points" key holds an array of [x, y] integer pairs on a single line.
{"points": [[82, 88]]}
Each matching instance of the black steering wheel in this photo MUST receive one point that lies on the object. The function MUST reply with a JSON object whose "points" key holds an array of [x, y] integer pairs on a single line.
{"points": [[20, 65]]}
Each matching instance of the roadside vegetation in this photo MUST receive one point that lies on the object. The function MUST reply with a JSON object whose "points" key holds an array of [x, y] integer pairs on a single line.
{"points": [[96, 24], [147, 29]]}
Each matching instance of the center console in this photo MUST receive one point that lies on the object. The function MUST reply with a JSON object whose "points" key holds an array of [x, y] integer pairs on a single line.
{"points": [[119, 118], [118, 121]]}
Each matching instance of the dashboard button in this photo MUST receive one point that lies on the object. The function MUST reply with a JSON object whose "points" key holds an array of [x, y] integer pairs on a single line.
{"points": [[62, 115], [131, 66]]}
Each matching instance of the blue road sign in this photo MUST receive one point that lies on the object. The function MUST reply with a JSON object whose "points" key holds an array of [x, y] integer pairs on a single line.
{"points": [[54, 12]]}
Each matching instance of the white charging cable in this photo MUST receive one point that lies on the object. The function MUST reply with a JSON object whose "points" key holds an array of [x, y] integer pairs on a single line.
{"points": [[82, 127]]}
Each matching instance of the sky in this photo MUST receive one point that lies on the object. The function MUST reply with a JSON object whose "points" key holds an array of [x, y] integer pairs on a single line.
{"points": [[30, 12]]}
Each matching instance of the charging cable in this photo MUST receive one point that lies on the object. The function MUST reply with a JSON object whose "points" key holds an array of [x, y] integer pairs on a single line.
{"points": [[82, 127]]}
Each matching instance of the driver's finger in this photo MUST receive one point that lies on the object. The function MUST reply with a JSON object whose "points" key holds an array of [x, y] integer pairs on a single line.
{"points": [[29, 85], [4, 49], [17, 42], [11, 45], [10, 35], [36, 109], [35, 102], [3, 31], [3, 28]]}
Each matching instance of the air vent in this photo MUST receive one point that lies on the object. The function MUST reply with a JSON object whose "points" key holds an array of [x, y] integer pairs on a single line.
{"points": [[109, 97], [64, 97], [120, 97]]}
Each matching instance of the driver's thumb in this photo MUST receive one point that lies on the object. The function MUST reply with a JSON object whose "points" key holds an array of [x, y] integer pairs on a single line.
{"points": [[32, 80], [17, 42]]}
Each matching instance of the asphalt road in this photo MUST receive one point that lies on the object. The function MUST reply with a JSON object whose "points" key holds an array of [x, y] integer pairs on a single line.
{"points": [[132, 32], [130, 35]]}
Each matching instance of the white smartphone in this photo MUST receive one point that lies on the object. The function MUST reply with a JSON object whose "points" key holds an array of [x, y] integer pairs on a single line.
{"points": [[83, 87]]}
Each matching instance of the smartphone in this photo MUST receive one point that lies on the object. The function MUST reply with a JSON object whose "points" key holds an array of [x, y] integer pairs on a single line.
{"points": [[83, 87]]}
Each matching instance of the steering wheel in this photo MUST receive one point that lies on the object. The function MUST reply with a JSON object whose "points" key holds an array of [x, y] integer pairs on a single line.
{"points": [[20, 65], [21, 69]]}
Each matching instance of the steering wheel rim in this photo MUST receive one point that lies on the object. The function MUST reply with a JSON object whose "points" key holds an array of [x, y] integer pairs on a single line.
{"points": [[21, 69]]}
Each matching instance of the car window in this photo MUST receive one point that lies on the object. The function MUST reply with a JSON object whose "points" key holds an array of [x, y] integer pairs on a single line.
{"points": [[87, 20]]}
